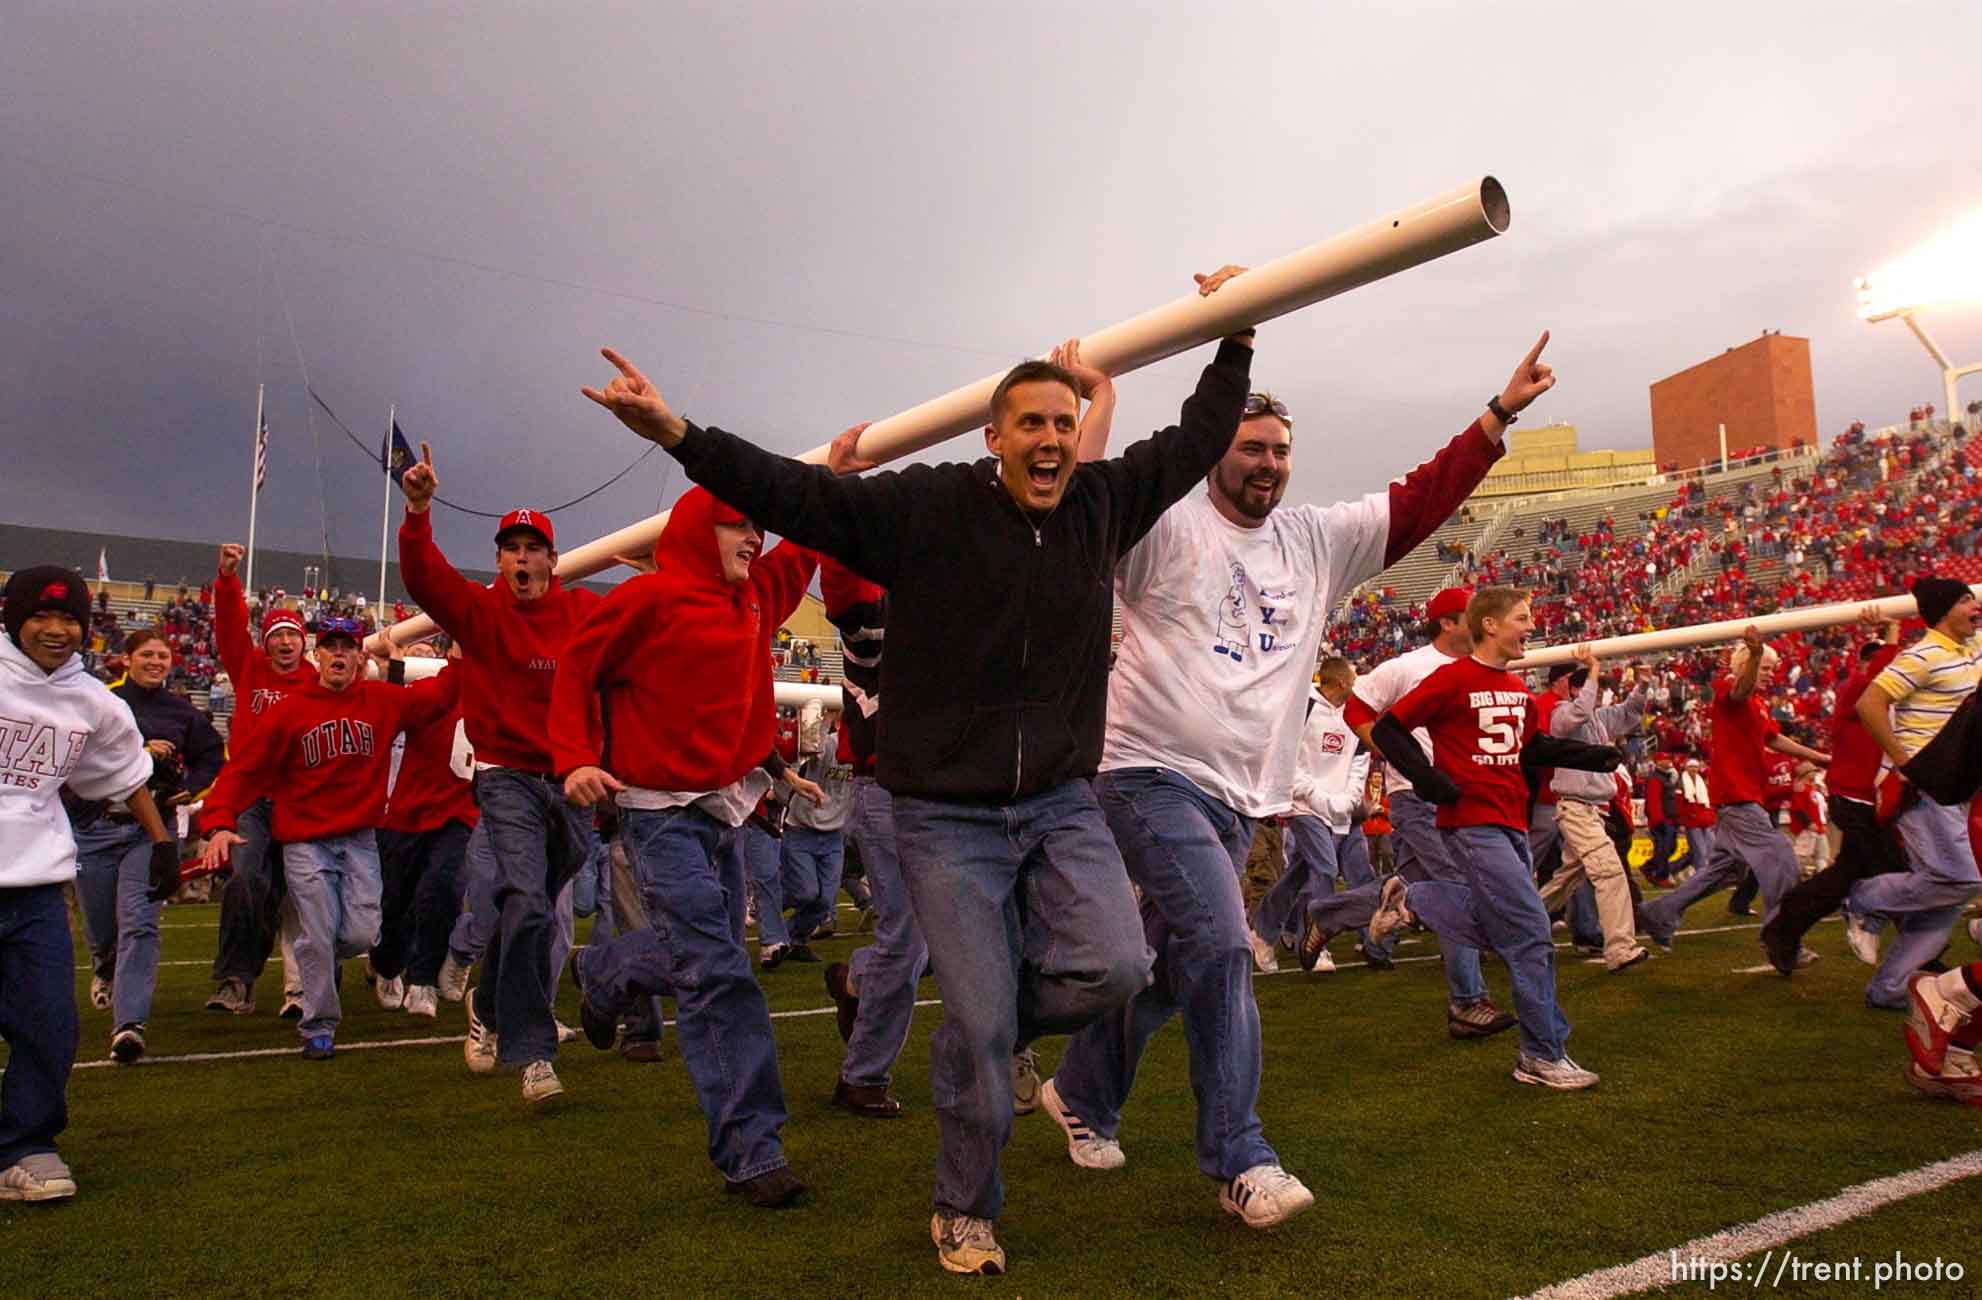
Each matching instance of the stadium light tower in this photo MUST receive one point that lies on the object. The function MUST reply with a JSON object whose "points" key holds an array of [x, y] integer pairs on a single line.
{"points": [[1945, 270]]}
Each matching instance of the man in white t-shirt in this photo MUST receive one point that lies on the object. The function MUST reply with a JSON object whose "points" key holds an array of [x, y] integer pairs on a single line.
{"points": [[1204, 722]]}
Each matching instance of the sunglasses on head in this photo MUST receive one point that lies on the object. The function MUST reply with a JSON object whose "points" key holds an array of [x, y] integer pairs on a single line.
{"points": [[1263, 403], [334, 626]]}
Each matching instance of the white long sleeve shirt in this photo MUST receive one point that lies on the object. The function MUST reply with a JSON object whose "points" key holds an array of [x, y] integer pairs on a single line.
{"points": [[1389, 682], [57, 729], [1329, 774], [1221, 629]]}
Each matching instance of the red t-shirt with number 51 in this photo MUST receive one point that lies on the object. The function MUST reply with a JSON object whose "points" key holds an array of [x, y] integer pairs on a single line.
{"points": [[1479, 718]]}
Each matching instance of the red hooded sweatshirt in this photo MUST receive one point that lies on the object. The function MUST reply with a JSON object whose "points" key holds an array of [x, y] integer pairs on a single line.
{"points": [[667, 684], [257, 684], [322, 757], [429, 794], [510, 648]]}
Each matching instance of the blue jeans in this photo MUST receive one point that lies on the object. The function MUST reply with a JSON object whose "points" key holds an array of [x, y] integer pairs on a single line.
{"points": [[1317, 857], [37, 1018], [251, 901], [811, 862], [1665, 838], [120, 922], [620, 913], [335, 884], [1186, 851], [763, 861], [693, 949], [1925, 900], [1746, 838], [1499, 909], [886, 971], [1032, 930], [538, 840], [477, 920], [422, 899]]}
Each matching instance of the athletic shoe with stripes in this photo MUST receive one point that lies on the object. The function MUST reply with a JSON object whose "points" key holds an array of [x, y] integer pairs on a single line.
{"points": [[1930, 1020], [479, 1048], [1085, 1147], [1265, 1196], [1480, 1019], [39, 1177], [1264, 958], [1563, 1075], [966, 1245], [540, 1084]]}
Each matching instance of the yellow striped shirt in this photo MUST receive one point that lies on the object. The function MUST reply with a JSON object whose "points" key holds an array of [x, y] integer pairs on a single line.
{"points": [[1927, 683]]}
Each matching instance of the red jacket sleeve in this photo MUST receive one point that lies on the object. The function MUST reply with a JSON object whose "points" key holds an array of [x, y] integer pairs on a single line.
{"points": [[1357, 712], [841, 588], [230, 626], [1654, 801], [1427, 496], [434, 584], [1421, 705], [249, 775], [781, 578], [607, 634]]}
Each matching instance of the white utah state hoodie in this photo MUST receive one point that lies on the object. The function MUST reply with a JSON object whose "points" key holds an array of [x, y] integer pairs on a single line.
{"points": [[56, 729]]}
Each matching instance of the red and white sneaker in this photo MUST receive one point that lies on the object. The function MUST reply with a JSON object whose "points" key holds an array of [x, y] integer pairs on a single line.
{"points": [[1960, 1078], [1930, 1021]]}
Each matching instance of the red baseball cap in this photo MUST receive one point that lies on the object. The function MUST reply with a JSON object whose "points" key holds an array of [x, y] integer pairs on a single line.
{"points": [[280, 617], [1448, 603], [535, 520]]}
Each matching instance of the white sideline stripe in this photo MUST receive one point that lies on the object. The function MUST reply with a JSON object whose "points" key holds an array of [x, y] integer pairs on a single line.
{"points": [[1765, 1234], [195, 1058], [214, 924]]}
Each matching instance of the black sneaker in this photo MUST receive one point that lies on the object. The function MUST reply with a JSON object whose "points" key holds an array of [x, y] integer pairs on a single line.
{"points": [[1781, 949], [600, 1031], [1377, 960], [769, 1191], [843, 998], [799, 952], [128, 1043]]}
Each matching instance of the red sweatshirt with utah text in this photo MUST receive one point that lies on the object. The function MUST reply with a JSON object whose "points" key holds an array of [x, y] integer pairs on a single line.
{"points": [[322, 757]]}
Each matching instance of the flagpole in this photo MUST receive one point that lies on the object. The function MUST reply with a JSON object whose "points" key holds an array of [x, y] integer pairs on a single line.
{"points": [[254, 491], [385, 514]]}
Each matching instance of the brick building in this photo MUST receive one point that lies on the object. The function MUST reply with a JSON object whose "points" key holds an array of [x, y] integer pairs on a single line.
{"points": [[1761, 391]]}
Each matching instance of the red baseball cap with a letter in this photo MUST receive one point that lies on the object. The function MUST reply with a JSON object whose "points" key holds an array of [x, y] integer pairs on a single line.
{"points": [[535, 520], [1450, 603]]}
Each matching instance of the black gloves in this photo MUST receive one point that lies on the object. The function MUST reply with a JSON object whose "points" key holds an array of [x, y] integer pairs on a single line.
{"points": [[1408, 757], [1553, 751], [164, 870]]}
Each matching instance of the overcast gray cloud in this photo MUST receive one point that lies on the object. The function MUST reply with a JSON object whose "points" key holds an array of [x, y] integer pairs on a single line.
{"points": [[797, 216]]}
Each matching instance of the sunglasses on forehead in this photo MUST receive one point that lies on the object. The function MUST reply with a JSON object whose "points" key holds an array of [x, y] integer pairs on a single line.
{"points": [[1264, 403]]}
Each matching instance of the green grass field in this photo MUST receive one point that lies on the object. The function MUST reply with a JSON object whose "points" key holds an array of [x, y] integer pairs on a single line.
{"points": [[393, 1172]]}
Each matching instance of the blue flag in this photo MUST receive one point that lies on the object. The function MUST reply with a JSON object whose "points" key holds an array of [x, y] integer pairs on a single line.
{"points": [[396, 454]]}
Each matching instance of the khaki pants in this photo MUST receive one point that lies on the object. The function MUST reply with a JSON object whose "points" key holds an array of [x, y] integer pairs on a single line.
{"points": [[1264, 864], [1588, 854]]}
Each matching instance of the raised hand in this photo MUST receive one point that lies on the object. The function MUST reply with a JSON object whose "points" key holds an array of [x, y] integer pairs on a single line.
{"points": [[1208, 284], [1531, 379], [844, 457], [1067, 357], [637, 403], [419, 483], [637, 563], [1586, 655], [231, 554], [1751, 636]]}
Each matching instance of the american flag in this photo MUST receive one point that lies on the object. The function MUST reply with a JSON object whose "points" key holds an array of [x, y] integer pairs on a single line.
{"points": [[261, 454]]}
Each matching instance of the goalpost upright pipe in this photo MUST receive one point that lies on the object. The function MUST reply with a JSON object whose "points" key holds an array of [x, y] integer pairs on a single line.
{"points": [[1806, 619], [1412, 236]]}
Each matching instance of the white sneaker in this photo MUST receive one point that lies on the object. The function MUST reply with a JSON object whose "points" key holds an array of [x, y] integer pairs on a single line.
{"points": [[1264, 958], [99, 992], [1564, 1075], [479, 1048], [1393, 911], [1265, 1196], [1085, 1147], [565, 1033], [540, 1085], [39, 1177], [966, 1245], [1025, 1082], [453, 979], [391, 992], [1322, 965], [1864, 940], [423, 1000]]}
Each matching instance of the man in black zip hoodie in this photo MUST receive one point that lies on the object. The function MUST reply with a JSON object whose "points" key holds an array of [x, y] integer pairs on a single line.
{"points": [[1000, 580]]}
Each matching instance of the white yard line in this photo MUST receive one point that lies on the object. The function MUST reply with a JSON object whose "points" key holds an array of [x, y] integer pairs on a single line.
{"points": [[1680, 1263]]}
